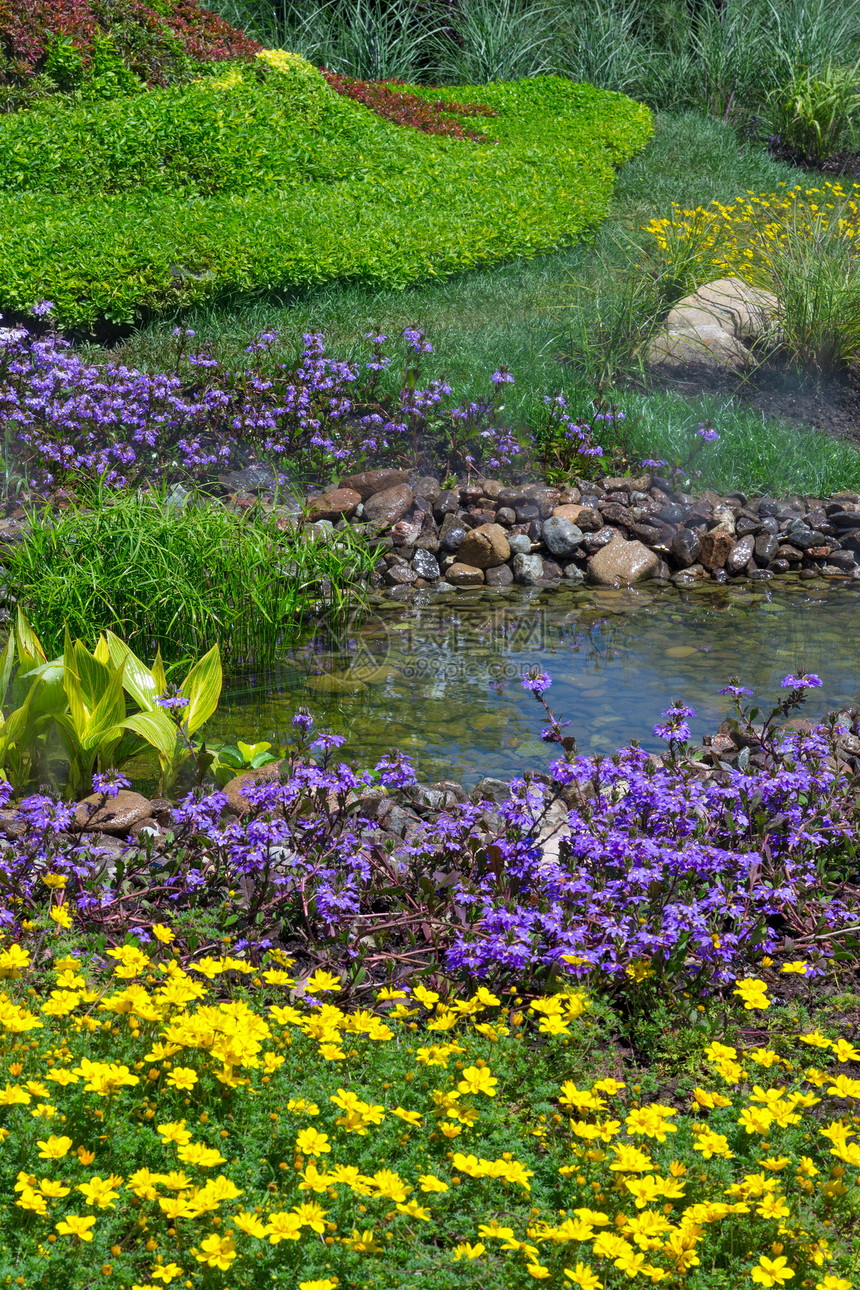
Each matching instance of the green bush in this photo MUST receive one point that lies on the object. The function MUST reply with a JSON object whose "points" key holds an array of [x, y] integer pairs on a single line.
{"points": [[157, 201]]}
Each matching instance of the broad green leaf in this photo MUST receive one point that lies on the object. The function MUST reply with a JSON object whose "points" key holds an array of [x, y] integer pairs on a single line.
{"points": [[101, 651], [202, 686], [249, 751], [72, 686], [108, 715], [7, 664], [138, 680], [94, 676], [156, 728], [30, 652], [159, 676]]}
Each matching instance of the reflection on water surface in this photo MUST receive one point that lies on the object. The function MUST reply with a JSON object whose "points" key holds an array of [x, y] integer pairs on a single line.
{"points": [[441, 681]]}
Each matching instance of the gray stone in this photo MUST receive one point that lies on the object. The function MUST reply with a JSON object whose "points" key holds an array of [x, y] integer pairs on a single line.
{"points": [[621, 563], [527, 569], [464, 575], [520, 544], [400, 575], [766, 547], [573, 574], [561, 536], [389, 505], [715, 324], [428, 487], [426, 565], [485, 547], [504, 515], [686, 546], [740, 554], [116, 815], [499, 576], [367, 483], [452, 533]]}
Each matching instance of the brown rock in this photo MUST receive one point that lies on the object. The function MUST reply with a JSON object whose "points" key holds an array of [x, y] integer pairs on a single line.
{"points": [[484, 547], [234, 789], [388, 506], [500, 576], [569, 511], [627, 484], [582, 516], [333, 505], [464, 575], [621, 563], [717, 546], [116, 815], [369, 482]]}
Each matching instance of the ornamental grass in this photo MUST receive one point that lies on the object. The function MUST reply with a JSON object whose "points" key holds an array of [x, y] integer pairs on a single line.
{"points": [[224, 1126]]}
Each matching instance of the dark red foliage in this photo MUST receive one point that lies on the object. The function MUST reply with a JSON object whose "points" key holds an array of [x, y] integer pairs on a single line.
{"points": [[144, 36], [403, 108]]}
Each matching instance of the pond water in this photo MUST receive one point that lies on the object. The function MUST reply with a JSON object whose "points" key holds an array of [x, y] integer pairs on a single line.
{"points": [[441, 680]]}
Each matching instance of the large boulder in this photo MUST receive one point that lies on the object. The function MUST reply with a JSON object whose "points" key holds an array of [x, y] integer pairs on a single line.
{"points": [[234, 789], [464, 575], [621, 563], [369, 482], [388, 506], [716, 325], [333, 505], [114, 815], [484, 547]]}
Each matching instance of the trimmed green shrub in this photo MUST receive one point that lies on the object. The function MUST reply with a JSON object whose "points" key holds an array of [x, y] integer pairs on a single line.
{"points": [[259, 180]]}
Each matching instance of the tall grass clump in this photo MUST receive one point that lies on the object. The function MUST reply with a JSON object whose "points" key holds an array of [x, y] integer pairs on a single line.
{"points": [[179, 576], [814, 115]]}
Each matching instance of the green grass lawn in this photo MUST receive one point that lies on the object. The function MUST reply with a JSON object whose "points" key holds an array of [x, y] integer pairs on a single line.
{"points": [[524, 313]]}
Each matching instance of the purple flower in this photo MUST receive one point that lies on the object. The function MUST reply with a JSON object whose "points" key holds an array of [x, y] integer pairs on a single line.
{"points": [[537, 681], [42, 308], [653, 462], [708, 433], [806, 681], [735, 690], [675, 728], [109, 783], [173, 702], [502, 377]]}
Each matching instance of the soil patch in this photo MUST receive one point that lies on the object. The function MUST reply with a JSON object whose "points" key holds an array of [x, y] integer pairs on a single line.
{"points": [[832, 405]]}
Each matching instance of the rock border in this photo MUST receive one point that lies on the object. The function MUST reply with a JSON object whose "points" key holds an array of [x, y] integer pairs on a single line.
{"points": [[611, 532]]}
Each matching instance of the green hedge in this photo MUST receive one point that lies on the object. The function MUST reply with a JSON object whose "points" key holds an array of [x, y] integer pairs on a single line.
{"points": [[265, 179]]}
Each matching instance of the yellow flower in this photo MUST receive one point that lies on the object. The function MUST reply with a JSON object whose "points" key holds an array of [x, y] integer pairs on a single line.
{"points": [[478, 1079], [54, 880], [311, 1143], [771, 1272], [197, 1153], [411, 1117], [467, 1251], [99, 1191], [538, 1271], [162, 933], [833, 1283], [583, 1277], [284, 1227], [815, 1039], [327, 1283], [166, 1272], [845, 1052], [429, 1183], [182, 1077], [60, 915], [174, 1131], [322, 982], [412, 1209], [753, 993], [216, 1252], [54, 1148], [797, 965], [76, 1225]]}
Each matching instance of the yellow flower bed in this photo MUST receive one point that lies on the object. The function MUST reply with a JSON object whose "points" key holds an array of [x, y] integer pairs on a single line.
{"points": [[170, 1125], [739, 239]]}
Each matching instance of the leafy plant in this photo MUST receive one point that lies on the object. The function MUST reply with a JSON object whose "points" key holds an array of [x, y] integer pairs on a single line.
{"points": [[180, 577], [169, 716], [814, 113]]}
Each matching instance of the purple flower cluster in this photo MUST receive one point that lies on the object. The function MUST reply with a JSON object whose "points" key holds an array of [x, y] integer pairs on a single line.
{"points": [[606, 864], [65, 419]]}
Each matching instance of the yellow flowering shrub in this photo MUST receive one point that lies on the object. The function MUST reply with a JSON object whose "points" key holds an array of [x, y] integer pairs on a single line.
{"points": [[739, 239], [202, 1126]]}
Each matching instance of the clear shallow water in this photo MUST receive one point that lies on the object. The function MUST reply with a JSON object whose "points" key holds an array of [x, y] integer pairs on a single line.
{"points": [[441, 681]]}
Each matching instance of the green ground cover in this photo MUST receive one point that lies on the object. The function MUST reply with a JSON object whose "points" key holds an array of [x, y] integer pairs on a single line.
{"points": [[560, 321], [233, 183]]}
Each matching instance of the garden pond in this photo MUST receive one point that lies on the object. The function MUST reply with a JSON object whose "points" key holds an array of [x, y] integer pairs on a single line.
{"points": [[441, 680]]}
